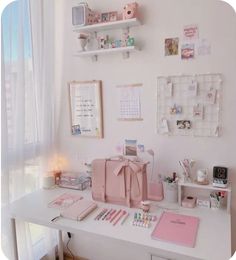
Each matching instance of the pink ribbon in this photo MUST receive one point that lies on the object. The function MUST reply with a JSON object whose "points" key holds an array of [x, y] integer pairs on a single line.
{"points": [[134, 180]]}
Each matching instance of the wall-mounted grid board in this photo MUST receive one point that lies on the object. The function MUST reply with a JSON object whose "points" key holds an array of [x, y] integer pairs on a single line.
{"points": [[176, 91]]}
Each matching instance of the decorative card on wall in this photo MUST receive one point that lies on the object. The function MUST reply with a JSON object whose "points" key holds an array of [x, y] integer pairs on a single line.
{"points": [[187, 51], [86, 108], [191, 32], [171, 46], [129, 102], [194, 108]]}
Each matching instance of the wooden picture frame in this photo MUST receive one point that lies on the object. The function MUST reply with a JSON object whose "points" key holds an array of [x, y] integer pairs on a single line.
{"points": [[86, 108]]}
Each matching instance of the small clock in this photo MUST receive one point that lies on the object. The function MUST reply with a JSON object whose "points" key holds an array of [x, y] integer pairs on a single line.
{"points": [[220, 176]]}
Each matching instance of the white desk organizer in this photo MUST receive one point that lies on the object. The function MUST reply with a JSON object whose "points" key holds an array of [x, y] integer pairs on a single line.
{"points": [[170, 192], [209, 187]]}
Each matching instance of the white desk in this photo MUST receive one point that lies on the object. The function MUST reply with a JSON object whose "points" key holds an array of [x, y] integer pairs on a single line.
{"points": [[213, 239]]}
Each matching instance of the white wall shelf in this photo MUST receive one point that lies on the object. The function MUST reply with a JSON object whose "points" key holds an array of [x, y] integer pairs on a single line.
{"points": [[95, 28], [121, 24], [95, 53], [204, 187]]}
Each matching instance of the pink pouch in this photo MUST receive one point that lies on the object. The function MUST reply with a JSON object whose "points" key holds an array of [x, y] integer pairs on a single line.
{"points": [[122, 181]]}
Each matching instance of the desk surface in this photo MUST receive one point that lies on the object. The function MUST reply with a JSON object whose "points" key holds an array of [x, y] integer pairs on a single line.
{"points": [[213, 239]]}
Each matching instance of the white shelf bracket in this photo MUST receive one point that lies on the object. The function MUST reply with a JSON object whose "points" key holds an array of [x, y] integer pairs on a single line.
{"points": [[95, 58], [125, 55], [125, 30]]}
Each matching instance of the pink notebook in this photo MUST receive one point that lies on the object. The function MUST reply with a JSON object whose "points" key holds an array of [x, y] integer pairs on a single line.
{"points": [[177, 229], [79, 210]]}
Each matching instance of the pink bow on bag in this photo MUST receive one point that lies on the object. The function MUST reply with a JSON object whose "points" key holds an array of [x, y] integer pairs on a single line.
{"points": [[134, 182]]}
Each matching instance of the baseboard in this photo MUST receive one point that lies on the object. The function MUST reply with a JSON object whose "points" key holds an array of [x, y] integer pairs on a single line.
{"points": [[69, 257]]}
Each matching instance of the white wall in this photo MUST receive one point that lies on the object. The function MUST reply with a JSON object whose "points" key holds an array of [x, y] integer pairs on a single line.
{"points": [[161, 19]]}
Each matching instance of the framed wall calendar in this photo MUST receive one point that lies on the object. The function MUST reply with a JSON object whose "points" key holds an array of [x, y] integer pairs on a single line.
{"points": [[86, 108]]}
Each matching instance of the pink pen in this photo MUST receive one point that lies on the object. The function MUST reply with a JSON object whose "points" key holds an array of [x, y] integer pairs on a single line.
{"points": [[110, 216], [117, 213], [123, 212]]}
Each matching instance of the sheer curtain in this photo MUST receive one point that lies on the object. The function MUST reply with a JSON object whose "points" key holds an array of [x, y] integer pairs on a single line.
{"points": [[28, 113]]}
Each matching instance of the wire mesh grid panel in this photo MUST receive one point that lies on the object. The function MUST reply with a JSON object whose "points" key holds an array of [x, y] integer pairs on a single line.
{"points": [[189, 105]]}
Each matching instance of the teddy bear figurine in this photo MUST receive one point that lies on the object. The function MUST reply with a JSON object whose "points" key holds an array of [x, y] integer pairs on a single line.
{"points": [[130, 11]]}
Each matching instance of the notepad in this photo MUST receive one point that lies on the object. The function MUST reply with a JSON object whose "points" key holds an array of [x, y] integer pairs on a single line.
{"points": [[177, 229], [79, 210], [64, 201]]}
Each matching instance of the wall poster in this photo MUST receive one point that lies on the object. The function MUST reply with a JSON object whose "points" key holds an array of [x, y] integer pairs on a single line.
{"points": [[86, 108]]}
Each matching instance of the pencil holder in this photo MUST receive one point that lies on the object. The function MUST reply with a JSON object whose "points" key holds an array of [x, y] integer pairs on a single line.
{"points": [[170, 192], [215, 203]]}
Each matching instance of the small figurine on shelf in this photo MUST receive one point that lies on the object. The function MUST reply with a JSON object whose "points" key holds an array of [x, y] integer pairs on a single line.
{"points": [[125, 37], [103, 42], [117, 43], [97, 17], [130, 11], [83, 39], [130, 41]]}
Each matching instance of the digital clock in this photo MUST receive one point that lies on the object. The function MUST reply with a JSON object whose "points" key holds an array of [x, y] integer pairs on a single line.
{"points": [[220, 176]]}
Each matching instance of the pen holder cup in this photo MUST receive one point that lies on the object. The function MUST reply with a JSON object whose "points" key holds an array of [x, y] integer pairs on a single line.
{"points": [[170, 192], [215, 203]]}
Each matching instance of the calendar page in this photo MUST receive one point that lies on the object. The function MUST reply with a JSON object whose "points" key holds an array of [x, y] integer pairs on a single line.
{"points": [[129, 102]]}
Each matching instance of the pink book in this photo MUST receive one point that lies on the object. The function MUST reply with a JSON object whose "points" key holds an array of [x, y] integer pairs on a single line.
{"points": [[79, 210], [177, 229]]}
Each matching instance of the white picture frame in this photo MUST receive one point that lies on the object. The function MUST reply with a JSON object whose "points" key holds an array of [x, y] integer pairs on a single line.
{"points": [[86, 108]]}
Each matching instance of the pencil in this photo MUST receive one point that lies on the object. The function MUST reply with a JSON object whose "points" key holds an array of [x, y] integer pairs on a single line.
{"points": [[124, 219]]}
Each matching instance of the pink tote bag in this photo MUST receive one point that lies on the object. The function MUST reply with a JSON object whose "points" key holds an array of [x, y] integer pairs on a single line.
{"points": [[121, 181]]}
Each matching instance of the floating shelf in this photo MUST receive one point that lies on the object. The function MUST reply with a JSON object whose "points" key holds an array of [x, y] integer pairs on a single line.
{"points": [[124, 50], [121, 24]]}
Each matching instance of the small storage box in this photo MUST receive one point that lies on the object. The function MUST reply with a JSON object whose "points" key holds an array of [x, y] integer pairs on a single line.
{"points": [[73, 182]]}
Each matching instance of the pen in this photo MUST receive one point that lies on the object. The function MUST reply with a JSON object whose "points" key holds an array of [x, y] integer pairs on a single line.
{"points": [[106, 214], [123, 212], [117, 213], [124, 219], [99, 214], [112, 213], [55, 218]]}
